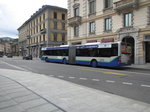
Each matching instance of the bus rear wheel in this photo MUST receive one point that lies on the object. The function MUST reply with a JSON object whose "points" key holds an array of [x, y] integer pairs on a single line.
{"points": [[64, 61], [94, 63]]}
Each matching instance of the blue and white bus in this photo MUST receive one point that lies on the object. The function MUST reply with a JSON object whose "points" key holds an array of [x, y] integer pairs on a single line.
{"points": [[55, 54], [95, 54]]}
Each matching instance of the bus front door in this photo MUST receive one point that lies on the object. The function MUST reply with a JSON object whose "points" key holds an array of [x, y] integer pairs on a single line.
{"points": [[72, 55]]}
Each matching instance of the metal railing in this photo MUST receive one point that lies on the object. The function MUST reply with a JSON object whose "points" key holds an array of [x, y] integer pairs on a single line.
{"points": [[125, 4], [74, 21]]}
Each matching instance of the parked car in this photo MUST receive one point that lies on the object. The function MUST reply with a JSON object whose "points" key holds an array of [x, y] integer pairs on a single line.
{"points": [[9, 55], [27, 57], [1, 55]]}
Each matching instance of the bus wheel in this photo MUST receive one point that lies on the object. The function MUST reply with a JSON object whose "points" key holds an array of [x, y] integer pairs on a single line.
{"points": [[46, 59], [64, 61], [94, 63]]}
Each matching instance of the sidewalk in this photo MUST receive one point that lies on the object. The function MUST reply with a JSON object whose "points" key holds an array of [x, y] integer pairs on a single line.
{"points": [[140, 67], [22, 91]]}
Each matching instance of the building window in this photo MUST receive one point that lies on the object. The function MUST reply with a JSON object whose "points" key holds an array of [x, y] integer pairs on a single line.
{"points": [[40, 27], [92, 6], [44, 16], [76, 31], [44, 37], [43, 25], [107, 3], [149, 15], [55, 15], [40, 19], [63, 16], [40, 38], [37, 21], [76, 11], [92, 27], [127, 19], [55, 36], [108, 24], [36, 29], [34, 23], [55, 24], [63, 37], [63, 26]]}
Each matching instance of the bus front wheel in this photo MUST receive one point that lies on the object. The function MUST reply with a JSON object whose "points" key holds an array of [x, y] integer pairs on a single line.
{"points": [[46, 59], [94, 63]]}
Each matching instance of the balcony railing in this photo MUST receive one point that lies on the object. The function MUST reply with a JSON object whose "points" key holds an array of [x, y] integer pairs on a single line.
{"points": [[74, 21], [125, 4], [43, 31]]}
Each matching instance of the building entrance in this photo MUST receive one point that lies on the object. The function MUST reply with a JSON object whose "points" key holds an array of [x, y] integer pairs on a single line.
{"points": [[147, 46], [130, 40]]}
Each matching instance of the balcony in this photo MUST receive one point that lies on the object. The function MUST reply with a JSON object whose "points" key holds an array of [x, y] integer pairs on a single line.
{"points": [[74, 21], [43, 31], [125, 4]]}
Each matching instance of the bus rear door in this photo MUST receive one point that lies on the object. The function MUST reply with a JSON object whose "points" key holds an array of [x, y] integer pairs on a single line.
{"points": [[72, 55]]}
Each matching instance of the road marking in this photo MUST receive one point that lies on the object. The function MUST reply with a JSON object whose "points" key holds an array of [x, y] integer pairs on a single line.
{"points": [[83, 78], [110, 81], [90, 70], [61, 76], [95, 80], [114, 73], [71, 77], [110, 73], [145, 85], [123, 71], [127, 83]]}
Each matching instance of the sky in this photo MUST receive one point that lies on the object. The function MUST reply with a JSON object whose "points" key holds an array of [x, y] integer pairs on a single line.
{"points": [[13, 13]]}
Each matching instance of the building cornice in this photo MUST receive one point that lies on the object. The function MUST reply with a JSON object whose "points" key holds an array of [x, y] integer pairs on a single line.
{"points": [[144, 29], [93, 37]]}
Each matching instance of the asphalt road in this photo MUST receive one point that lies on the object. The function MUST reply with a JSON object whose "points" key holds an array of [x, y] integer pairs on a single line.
{"points": [[127, 82]]}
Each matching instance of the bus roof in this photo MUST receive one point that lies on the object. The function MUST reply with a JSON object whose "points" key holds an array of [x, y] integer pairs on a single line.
{"points": [[53, 48], [96, 45]]}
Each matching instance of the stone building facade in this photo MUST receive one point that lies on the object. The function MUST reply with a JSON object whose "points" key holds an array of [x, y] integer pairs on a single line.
{"points": [[46, 27], [5, 46], [15, 47], [111, 21]]}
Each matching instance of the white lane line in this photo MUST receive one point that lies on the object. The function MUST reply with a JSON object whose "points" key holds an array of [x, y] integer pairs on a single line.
{"points": [[127, 83], [110, 81], [83, 78], [95, 80], [71, 77], [61, 76], [145, 85]]}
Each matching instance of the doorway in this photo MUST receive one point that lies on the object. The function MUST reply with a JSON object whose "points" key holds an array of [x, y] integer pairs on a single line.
{"points": [[131, 41], [147, 53]]}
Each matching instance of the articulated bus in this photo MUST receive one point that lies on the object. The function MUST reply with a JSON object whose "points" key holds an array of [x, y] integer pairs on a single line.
{"points": [[94, 54]]}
